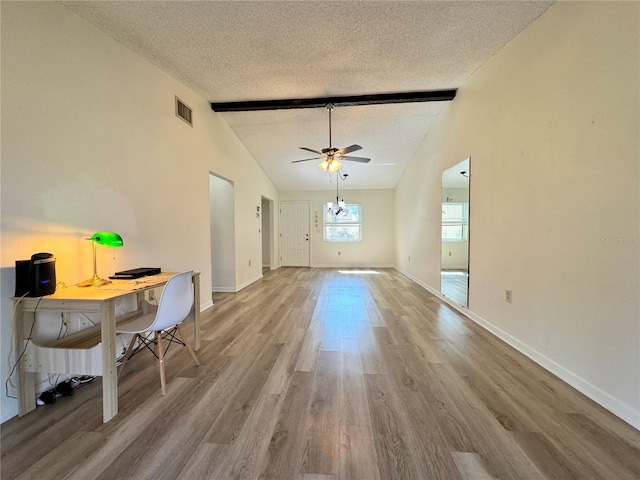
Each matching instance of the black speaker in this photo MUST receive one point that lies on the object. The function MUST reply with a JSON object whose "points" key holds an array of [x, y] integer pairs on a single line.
{"points": [[36, 277], [22, 277], [42, 275]]}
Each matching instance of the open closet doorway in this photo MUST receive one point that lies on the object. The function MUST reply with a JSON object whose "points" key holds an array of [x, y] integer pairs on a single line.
{"points": [[222, 225], [454, 272]]}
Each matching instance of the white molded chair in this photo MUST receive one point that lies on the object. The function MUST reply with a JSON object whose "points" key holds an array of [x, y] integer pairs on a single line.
{"points": [[163, 320]]}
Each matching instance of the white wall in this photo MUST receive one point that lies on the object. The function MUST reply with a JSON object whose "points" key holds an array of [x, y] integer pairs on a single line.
{"points": [[90, 141], [377, 246], [223, 265], [551, 123]]}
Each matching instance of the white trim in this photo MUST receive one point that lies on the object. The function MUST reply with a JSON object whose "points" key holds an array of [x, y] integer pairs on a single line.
{"points": [[248, 282], [206, 305], [352, 265], [620, 409], [237, 288], [433, 291], [223, 290]]}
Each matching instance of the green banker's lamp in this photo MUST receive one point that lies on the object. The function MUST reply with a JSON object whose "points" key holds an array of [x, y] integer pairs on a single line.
{"points": [[107, 239]]}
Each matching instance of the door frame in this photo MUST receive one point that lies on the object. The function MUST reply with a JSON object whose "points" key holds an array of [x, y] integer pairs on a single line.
{"points": [[223, 249]]}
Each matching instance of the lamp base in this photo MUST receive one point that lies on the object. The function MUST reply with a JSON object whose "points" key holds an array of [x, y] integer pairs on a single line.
{"points": [[94, 282]]}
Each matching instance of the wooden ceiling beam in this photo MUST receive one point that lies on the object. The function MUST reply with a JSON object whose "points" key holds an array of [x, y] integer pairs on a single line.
{"points": [[348, 101]]}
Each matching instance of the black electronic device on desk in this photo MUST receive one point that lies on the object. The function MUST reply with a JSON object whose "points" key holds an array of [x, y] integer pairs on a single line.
{"points": [[135, 273], [36, 277]]}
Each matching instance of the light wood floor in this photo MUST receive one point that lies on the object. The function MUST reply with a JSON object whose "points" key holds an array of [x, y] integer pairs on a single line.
{"points": [[312, 374], [455, 284]]}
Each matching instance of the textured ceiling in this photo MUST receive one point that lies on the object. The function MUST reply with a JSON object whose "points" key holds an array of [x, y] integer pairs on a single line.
{"points": [[244, 50]]}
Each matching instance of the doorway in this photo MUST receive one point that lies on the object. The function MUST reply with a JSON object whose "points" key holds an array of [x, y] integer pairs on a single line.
{"points": [[454, 271], [294, 234], [222, 225]]}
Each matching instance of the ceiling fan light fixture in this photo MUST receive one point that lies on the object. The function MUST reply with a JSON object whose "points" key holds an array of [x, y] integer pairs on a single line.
{"points": [[324, 165], [331, 165], [331, 156]]}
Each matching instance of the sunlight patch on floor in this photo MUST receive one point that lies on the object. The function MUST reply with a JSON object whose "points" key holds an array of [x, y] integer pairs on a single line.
{"points": [[360, 272]]}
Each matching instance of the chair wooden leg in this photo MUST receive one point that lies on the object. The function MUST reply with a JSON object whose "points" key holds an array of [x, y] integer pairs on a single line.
{"points": [[188, 345], [160, 353], [126, 355]]}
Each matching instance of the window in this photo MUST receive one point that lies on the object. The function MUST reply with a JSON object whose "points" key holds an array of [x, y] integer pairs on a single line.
{"points": [[455, 225], [344, 227]]}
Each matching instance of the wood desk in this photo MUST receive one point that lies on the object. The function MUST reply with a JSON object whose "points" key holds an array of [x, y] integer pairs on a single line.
{"points": [[83, 357]]}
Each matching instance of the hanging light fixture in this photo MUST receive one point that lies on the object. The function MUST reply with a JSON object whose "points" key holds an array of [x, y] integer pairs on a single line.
{"points": [[339, 205]]}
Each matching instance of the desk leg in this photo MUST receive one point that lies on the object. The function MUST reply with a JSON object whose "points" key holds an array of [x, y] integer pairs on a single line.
{"points": [[196, 312], [109, 370], [25, 381]]}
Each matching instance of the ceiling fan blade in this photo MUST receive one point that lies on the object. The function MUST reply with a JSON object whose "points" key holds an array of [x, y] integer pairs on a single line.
{"points": [[356, 159], [349, 149], [311, 150], [307, 159]]}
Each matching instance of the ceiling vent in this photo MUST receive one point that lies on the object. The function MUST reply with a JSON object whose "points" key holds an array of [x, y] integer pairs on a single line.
{"points": [[183, 112]]}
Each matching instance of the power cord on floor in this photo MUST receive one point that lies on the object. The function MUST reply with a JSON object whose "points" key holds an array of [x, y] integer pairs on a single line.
{"points": [[63, 389]]}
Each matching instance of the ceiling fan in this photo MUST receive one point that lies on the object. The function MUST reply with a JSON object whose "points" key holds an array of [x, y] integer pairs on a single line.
{"points": [[331, 156]]}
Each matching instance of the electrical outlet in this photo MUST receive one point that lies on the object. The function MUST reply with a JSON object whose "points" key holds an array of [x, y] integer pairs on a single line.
{"points": [[249, 262], [409, 257], [508, 296]]}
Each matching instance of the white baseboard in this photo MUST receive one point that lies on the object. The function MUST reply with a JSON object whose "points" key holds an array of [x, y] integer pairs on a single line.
{"points": [[206, 305], [237, 288], [619, 409], [223, 289], [433, 291], [248, 282], [353, 265]]}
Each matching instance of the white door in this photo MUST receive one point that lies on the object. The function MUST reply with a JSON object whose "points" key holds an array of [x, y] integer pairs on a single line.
{"points": [[294, 233]]}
